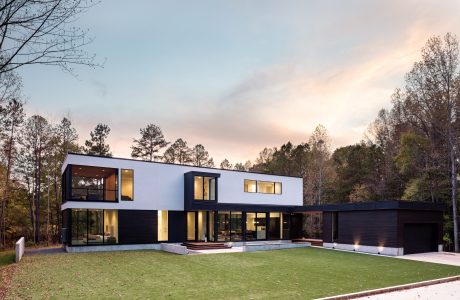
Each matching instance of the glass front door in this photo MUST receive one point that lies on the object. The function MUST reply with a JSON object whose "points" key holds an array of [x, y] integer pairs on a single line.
{"points": [[200, 226]]}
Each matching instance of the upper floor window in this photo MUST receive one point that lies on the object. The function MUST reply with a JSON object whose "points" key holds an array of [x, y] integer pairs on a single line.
{"points": [[250, 186], [204, 188], [263, 187], [127, 184], [87, 183]]}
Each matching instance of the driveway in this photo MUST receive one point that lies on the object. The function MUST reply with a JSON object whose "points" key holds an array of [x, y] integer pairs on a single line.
{"points": [[446, 258]]}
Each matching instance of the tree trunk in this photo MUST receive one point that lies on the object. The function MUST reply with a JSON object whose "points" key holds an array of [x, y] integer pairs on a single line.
{"points": [[453, 177]]}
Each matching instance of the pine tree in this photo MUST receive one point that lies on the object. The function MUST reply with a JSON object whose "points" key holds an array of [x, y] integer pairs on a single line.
{"points": [[178, 153], [96, 145], [200, 157], [150, 143]]}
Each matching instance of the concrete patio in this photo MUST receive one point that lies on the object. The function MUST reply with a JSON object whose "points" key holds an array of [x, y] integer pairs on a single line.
{"points": [[446, 258]]}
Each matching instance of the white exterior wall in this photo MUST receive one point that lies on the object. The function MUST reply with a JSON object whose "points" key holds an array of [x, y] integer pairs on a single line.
{"points": [[160, 186]]}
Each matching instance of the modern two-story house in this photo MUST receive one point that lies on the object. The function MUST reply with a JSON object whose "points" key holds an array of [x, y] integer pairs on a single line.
{"points": [[114, 201]]}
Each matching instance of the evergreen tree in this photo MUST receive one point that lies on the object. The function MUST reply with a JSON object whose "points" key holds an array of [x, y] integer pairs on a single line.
{"points": [[150, 143], [200, 157], [178, 153], [96, 145], [225, 164]]}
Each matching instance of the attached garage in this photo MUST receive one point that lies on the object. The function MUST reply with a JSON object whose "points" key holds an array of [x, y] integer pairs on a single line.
{"points": [[384, 227]]}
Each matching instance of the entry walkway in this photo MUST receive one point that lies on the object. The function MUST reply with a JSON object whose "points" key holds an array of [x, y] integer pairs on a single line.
{"points": [[446, 258]]}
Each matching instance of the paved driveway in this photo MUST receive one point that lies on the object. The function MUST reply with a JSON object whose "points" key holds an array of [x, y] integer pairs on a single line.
{"points": [[446, 258]]}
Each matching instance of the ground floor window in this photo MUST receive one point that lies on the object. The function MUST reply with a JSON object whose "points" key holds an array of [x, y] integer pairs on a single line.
{"points": [[162, 225], [256, 226], [94, 226]]}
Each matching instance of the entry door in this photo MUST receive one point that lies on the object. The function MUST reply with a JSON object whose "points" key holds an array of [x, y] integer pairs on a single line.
{"points": [[197, 226]]}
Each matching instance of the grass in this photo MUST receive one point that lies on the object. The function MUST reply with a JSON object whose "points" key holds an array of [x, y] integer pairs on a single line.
{"points": [[6, 258], [295, 273]]}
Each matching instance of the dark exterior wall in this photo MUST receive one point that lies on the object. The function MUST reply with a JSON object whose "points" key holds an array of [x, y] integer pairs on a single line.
{"points": [[419, 217], [327, 227], [177, 226], [296, 226], [137, 226]]}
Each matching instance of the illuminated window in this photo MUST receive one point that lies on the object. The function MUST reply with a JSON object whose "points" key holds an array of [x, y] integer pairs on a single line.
{"points": [[127, 184], [266, 187], [162, 225], [278, 188], [250, 186], [204, 188]]}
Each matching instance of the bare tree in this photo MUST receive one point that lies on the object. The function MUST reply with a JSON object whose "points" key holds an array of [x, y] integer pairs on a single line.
{"points": [[178, 152], [43, 32]]}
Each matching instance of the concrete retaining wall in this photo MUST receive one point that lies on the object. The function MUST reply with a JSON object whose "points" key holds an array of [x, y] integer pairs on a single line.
{"points": [[366, 249], [248, 247], [20, 247], [175, 248]]}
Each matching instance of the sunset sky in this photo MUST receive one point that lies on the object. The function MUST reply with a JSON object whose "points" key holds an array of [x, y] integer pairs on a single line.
{"points": [[238, 76]]}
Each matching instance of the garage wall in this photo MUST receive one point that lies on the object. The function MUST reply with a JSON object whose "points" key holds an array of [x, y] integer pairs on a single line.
{"points": [[419, 217]]}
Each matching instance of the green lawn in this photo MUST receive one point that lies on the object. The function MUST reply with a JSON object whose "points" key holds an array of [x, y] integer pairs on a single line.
{"points": [[296, 273], [6, 258]]}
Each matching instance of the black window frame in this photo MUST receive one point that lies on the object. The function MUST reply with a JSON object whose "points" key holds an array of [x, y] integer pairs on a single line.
{"points": [[263, 181], [214, 178], [70, 230]]}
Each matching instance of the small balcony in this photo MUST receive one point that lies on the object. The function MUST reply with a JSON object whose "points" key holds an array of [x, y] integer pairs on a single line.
{"points": [[87, 183]]}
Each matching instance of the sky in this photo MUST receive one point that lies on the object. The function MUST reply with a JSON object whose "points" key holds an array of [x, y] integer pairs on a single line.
{"points": [[238, 76]]}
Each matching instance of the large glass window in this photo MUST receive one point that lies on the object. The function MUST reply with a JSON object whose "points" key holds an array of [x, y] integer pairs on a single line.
{"points": [[90, 183], [191, 226], [162, 225], [256, 226], [250, 186], [223, 226], [127, 184], [275, 226], [110, 226], [211, 226], [261, 223], [202, 228], [79, 227], [266, 187], [236, 223], [204, 188], [286, 226], [94, 226]]}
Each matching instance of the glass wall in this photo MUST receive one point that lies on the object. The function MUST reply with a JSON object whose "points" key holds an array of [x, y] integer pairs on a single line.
{"points": [[90, 183], [223, 226], [191, 226], [202, 226], [162, 225], [204, 188], [261, 223], [250, 186], [286, 226], [110, 226], [236, 224], [79, 227], [275, 226], [127, 184], [256, 226], [94, 226], [211, 226]]}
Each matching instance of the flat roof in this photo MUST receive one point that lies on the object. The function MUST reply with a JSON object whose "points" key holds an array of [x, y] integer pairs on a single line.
{"points": [[174, 164], [374, 205]]}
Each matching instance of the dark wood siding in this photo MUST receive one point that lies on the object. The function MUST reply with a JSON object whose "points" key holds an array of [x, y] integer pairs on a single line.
{"points": [[137, 226], [327, 227], [177, 226], [370, 228], [296, 226]]}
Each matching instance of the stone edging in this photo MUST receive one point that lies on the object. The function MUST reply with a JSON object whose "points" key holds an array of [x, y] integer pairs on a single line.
{"points": [[392, 288]]}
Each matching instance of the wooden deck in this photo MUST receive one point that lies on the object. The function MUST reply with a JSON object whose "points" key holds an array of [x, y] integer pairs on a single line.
{"points": [[205, 245]]}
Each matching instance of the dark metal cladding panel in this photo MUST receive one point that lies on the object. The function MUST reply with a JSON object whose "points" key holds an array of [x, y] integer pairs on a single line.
{"points": [[177, 226], [137, 226]]}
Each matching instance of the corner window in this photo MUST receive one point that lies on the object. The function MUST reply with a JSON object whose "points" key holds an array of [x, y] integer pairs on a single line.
{"points": [[204, 188], [127, 184], [250, 186]]}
